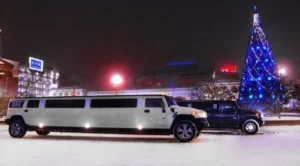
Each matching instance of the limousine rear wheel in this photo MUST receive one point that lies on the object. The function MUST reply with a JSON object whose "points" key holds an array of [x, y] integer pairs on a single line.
{"points": [[17, 129], [185, 131], [42, 132], [250, 127]]}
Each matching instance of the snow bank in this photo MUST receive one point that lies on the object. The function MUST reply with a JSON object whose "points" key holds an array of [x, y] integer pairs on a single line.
{"points": [[282, 118]]}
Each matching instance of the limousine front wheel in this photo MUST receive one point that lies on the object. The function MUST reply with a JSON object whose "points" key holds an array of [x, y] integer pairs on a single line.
{"points": [[17, 129], [185, 131]]}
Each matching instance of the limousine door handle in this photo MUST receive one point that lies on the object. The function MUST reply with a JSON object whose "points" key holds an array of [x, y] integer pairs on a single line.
{"points": [[25, 110], [147, 111]]}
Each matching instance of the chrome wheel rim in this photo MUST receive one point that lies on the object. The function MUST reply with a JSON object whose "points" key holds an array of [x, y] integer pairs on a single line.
{"points": [[184, 131], [250, 127], [15, 129]]}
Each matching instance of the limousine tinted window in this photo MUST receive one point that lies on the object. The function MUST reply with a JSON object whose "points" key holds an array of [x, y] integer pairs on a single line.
{"points": [[113, 103], [33, 104], [16, 104], [154, 102], [75, 103]]}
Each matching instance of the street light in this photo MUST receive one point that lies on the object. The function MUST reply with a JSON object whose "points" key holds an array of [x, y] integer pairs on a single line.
{"points": [[282, 71], [116, 80]]}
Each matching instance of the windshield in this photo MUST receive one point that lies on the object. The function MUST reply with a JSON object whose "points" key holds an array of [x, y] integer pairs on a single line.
{"points": [[171, 101]]}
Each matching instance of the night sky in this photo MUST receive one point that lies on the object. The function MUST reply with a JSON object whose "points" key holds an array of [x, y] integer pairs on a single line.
{"points": [[88, 40]]}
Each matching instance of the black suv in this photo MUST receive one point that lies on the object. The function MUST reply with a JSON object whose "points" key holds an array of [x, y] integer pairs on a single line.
{"points": [[227, 115]]}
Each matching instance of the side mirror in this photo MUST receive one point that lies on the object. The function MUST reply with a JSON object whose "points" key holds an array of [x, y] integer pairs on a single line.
{"points": [[162, 104]]}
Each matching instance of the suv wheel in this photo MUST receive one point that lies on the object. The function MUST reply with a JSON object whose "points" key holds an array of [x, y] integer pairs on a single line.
{"points": [[17, 129], [250, 127], [42, 132], [185, 131], [198, 134]]}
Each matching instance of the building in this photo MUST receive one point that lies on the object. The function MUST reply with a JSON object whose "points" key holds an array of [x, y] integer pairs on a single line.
{"points": [[9, 72], [35, 80], [179, 79], [179, 74], [36, 84], [178, 93], [68, 91]]}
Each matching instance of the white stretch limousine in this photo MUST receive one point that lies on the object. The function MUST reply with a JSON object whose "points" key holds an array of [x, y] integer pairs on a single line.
{"points": [[130, 114]]}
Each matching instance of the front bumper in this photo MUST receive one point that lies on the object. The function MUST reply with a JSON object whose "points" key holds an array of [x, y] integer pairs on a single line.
{"points": [[261, 122], [7, 121], [201, 123]]}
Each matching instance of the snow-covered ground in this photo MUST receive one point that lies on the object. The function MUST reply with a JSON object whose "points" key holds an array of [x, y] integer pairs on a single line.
{"points": [[276, 146], [281, 118]]}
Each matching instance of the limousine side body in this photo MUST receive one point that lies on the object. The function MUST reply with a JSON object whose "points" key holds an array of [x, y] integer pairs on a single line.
{"points": [[142, 114]]}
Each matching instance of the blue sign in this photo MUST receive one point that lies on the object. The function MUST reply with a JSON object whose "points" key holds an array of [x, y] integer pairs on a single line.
{"points": [[36, 64], [179, 63]]}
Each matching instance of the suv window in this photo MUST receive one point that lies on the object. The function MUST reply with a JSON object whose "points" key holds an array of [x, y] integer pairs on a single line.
{"points": [[16, 104], [113, 103], [154, 102], [33, 104], [227, 108]]}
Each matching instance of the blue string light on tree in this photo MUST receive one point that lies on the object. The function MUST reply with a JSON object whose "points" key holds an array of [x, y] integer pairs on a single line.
{"points": [[260, 75]]}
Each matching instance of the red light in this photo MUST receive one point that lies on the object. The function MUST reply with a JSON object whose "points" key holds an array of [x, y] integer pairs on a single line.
{"points": [[228, 68], [117, 79], [73, 92]]}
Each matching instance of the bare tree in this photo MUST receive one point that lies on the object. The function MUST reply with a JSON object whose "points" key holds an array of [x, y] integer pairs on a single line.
{"points": [[212, 91], [280, 104], [295, 95]]}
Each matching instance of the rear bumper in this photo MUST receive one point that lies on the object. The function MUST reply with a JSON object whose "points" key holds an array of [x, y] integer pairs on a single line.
{"points": [[201, 123]]}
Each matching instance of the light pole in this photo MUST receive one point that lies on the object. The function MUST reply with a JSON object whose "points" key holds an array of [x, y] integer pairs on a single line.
{"points": [[116, 80], [281, 73], [0, 44]]}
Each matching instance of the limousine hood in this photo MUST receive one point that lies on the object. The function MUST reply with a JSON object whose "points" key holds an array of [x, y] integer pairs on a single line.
{"points": [[191, 111]]}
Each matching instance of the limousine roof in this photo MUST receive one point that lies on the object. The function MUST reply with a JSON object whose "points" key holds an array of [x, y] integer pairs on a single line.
{"points": [[204, 101], [90, 96]]}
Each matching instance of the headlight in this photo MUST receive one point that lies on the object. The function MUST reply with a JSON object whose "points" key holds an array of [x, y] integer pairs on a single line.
{"points": [[259, 115], [202, 114]]}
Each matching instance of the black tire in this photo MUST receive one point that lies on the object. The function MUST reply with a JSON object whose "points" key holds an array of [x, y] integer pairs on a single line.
{"points": [[250, 127], [42, 132], [185, 131], [17, 129], [198, 134]]}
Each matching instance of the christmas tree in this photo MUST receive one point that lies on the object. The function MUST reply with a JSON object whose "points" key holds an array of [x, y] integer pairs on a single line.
{"points": [[260, 83]]}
